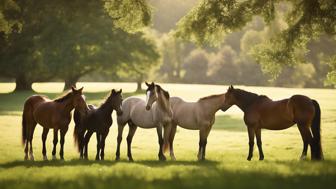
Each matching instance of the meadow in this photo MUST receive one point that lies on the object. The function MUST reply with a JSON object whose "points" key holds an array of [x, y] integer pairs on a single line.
{"points": [[226, 164]]}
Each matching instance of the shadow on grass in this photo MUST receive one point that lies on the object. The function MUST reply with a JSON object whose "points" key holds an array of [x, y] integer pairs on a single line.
{"points": [[78, 162], [13, 102], [209, 176]]}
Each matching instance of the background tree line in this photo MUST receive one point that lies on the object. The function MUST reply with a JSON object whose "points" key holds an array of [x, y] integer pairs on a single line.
{"points": [[277, 43]]}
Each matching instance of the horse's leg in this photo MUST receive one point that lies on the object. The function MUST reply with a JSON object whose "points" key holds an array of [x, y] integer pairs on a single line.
{"points": [[160, 140], [98, 144], [44, 138], [86, 143], [205, 141], [119, 139], [63, 132], [250, 131], [131, 132], [171, 141], [305, 143], [81, 144], [55, 143], [102, 152], [31, 135], [259, 143], [309, 139]]}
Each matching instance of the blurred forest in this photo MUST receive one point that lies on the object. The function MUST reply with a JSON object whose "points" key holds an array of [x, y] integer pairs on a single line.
{"points": [[102, 40]]}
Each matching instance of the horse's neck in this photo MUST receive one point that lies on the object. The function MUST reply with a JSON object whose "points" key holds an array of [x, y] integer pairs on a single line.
{"points": [[212, 105], [106, 108], [245, 99], [164, 104], [67, 106]]}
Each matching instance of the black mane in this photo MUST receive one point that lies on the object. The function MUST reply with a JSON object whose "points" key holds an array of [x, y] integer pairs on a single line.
{"points": [[246, 98]]}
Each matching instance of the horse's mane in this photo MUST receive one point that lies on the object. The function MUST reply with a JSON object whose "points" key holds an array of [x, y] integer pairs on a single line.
{"points": [[63, 97], [165, 93], [210, 97], [246, 96], [106, 101]]}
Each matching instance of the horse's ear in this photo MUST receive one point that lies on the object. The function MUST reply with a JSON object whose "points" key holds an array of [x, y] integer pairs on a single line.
{"points": [[231, 87], [80, 90], [113, 91], [73, 89], [120, 91], [146, 83], [152, 83]]}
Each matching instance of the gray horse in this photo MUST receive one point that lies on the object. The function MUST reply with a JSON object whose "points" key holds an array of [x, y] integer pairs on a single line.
{"points": [[154, 113]]}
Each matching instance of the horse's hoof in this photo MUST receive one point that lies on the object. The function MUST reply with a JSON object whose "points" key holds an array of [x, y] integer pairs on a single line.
{"points": [[249, 158], [117, 158], [26, 157], [130, 159], [45, 158], [303, 157], [54, 157], [31, 157], [173, 158], [162, 158], [261, 158]]}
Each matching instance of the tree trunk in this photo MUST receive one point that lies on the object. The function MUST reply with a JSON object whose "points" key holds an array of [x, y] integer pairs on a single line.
{"points": [[69, 82], [139, 82], [138, 85], [23, 84]]}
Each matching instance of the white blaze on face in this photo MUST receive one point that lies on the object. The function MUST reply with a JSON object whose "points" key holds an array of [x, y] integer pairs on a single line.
{"points": [[147, 97]]}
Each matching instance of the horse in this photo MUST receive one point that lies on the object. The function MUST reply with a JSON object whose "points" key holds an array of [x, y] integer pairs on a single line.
{"points": [[97, 120], [50, 114], [198, 115], [155, 112], [260, 112]]}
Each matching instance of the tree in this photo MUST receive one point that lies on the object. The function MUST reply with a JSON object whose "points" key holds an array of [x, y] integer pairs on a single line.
{"points": [[196, 66], [18, 57], [143, 59], [68, 39], [223, 67], [306, 20]]}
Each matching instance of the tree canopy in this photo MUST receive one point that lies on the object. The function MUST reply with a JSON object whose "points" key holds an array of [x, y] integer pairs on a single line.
{"points": [[68, 39], [306, 20]]}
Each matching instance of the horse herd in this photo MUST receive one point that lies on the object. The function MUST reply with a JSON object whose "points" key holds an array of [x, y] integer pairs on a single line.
{"points": [[165, 113]]}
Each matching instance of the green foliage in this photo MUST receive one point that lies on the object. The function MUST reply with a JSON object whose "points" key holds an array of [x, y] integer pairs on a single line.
{"points": [[331, 77], [130, 15], [306, 20], [68, 39]]}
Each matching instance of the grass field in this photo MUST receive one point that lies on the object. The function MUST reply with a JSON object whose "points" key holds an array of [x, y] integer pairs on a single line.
{"points": [[227, 148]]}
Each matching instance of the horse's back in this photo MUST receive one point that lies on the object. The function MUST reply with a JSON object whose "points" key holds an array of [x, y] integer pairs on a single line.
{"points": [[133, 109], [184, 113]]}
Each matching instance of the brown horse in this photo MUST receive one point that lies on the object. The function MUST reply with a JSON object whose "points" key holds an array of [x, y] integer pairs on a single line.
{"points": [[50, 114], [262, 112]]}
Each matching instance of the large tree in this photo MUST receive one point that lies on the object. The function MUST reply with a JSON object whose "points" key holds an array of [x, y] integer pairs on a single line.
{"points": [[306, 20], [67, 39]]}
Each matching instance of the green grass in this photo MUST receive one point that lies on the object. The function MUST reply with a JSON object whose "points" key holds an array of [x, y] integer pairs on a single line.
{"points": [[226, 164]]}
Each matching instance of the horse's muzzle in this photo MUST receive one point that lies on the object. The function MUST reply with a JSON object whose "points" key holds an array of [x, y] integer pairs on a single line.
{"points": [[147, 107]]}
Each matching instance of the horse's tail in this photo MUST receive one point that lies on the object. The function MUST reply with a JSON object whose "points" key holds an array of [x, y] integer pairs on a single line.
{"points": [[316, 130], [77, 134], [166, 136], [26, 111]]}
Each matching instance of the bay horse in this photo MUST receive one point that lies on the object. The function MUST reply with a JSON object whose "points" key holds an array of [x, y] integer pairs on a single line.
{"points": [[260, 112], [155, 112], [50, 114], [98, 120], [198, 115]]}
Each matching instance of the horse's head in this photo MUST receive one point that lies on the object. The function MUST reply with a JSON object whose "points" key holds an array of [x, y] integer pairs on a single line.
{"points": [[230, 99], [151, 95], [116, 99], [79, 100]]}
